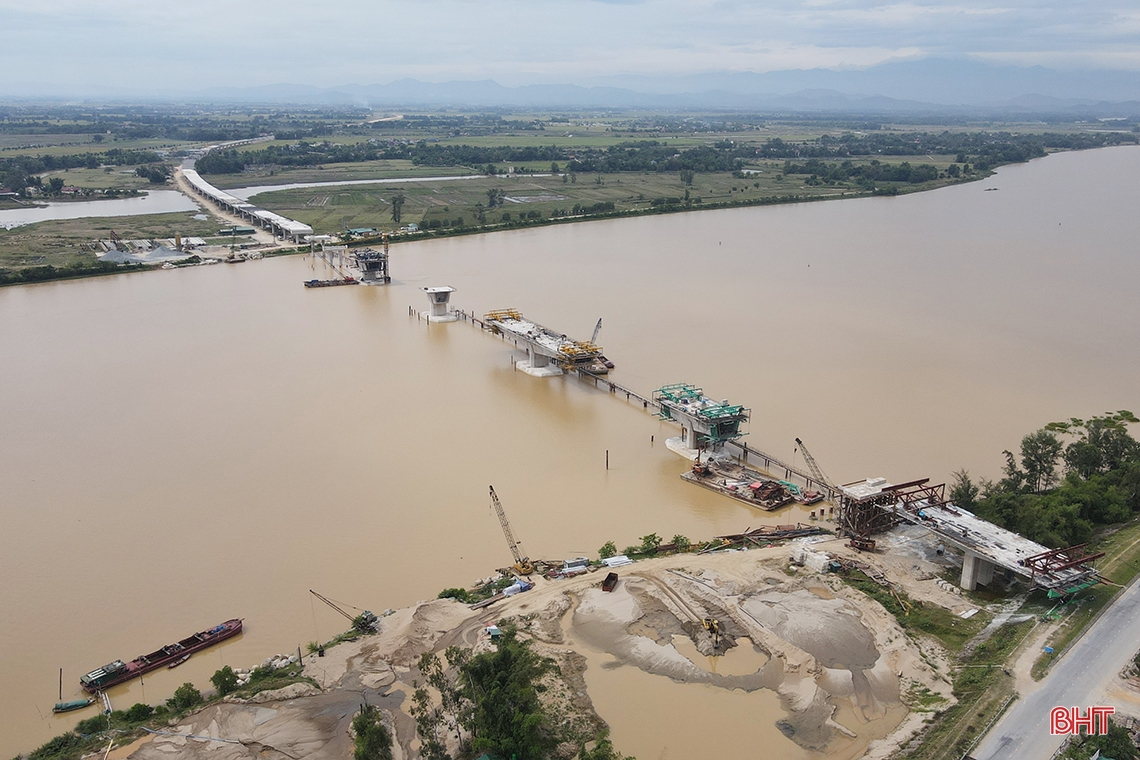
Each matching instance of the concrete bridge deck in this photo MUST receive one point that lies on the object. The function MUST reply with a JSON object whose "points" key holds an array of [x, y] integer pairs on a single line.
{"points": [[281, 226]]}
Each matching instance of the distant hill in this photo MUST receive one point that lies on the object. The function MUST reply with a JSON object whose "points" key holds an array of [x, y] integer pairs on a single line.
{"points": [[927, 85]]}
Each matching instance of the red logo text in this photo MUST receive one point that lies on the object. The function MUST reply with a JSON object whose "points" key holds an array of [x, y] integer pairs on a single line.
{"points": [[1064, 721]]}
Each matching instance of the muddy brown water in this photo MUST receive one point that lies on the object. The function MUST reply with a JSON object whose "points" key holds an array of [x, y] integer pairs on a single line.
{"points": [[178, 448]]}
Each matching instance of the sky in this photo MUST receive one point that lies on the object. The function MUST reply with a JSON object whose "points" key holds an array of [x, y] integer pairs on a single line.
{"points": [[72, 46]]}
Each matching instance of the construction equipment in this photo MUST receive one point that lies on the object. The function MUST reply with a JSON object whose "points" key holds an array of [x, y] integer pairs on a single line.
{"points": [[712, 625], [523, 565], [365, 622], [597, 327], [816, 472]]}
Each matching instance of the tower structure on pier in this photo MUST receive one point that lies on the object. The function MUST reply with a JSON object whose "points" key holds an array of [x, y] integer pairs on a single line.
{"points": [[440, 298], [705, 423]]}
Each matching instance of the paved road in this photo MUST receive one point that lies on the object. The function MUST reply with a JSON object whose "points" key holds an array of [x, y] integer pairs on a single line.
{"points": [[1078, 680]]}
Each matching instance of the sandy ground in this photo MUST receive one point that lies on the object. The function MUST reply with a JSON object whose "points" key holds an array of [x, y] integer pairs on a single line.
{"points": [[821, 647], [263, 237]]}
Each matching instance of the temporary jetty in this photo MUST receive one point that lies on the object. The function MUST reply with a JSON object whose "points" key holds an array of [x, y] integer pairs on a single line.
{"points": [[119, 672]]}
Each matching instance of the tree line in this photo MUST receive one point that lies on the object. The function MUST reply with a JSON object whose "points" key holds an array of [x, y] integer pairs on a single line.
{"points": [[19, 172], [862, 174], [1067, 479]]}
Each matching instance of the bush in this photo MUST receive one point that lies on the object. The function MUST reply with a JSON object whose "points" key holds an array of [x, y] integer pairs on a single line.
{"points": [[64, 745], [185, 696], [608, 550], [92, 725], [224, 680], [650, 543], [682, 543], [458, 594], [139, 712]]}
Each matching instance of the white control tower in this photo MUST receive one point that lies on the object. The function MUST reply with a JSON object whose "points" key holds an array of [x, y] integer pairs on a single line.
{"points": [[440, 298]]}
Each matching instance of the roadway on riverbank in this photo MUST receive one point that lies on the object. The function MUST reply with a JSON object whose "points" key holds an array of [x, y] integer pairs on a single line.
{"points": [[1079, 679]]}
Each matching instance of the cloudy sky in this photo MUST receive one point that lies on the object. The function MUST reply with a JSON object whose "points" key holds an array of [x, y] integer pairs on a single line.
{"points": [[51, 46]]}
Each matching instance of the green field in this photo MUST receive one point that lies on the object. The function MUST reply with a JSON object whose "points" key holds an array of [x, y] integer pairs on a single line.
{"points": [[331, 209], [65, 242], [382, 169]]}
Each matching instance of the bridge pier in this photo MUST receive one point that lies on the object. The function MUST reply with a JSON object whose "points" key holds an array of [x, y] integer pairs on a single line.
{"points": [[975, 571], [538, 364]]}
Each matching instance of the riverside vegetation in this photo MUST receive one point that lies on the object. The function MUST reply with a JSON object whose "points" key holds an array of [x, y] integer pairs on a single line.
{"points": [[597, 166]]}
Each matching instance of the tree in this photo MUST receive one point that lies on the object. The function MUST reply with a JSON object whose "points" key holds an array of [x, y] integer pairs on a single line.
{"points": [[682, 543], [603, 750], [185, 696], [507, 718], [687, 176], [397, 206], [964, 493], [608, 550], [139, 712], [650, 543], [1039, 454], [55, 185], [224, 680], [373, 739], [953, 170], [554, 167], [494, 197]]}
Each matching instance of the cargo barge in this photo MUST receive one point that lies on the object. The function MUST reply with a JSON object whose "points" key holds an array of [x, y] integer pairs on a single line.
{"points": [[118, 672], [330, 283]]}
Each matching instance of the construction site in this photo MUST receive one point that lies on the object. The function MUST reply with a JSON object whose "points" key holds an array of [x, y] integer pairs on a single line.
{"points": [[763, 630]]}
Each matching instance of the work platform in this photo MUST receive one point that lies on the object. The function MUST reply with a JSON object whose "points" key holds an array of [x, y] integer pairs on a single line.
{"points": [[548, 352], [705, 423], [873, 505]]}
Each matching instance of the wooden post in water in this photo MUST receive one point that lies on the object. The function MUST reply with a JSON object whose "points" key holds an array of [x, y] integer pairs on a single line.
{"points": [[607, 459], [61, 684]]}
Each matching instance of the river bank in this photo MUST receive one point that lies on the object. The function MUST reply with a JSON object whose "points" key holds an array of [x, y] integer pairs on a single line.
{"points": [[820, 670], [327, 440]]}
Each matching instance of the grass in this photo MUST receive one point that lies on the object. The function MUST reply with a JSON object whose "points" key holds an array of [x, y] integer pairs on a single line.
{"points": [[950, 630], [64, 242], [117, 177], [982, 690], [380, 169], [1120, 564]]}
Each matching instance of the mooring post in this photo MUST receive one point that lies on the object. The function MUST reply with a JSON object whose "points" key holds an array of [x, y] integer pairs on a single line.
{"points": [[607, 459]]}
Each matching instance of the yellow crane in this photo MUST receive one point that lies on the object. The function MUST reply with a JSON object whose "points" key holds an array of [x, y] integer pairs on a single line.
{"points": [[523, 564]]}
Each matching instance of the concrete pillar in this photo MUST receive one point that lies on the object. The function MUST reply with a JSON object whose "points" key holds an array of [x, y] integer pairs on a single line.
{"points": [[976, 571], [537, 360]]}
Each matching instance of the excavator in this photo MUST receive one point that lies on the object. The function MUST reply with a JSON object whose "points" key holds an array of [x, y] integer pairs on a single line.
{"points": [[523, 565]]}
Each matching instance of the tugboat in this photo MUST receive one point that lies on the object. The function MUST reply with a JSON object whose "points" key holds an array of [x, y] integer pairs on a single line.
{"points": [[119, 672]]}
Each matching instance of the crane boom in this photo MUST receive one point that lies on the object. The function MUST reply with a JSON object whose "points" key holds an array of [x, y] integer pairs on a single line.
{"points": [[365, 622], [814, 467], [597, 327], [522, 562]]}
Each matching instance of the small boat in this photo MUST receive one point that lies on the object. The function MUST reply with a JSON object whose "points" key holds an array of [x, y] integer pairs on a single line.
{"points": [[75, 704], [178, 662]]}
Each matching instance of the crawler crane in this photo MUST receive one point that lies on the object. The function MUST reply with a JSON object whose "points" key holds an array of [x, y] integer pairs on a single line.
{"points": [[523, 565]]}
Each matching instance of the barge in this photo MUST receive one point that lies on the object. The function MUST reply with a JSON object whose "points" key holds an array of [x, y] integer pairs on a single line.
{"points": [[118, 672], [330, 283]]}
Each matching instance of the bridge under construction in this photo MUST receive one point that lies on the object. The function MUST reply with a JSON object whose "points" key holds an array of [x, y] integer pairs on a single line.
{"points": [[872, 506], [548, 352], [865, 508]]}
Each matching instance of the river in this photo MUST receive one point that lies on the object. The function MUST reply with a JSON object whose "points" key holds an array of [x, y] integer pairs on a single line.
{"points": [[152, 202], [183, 447]]}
